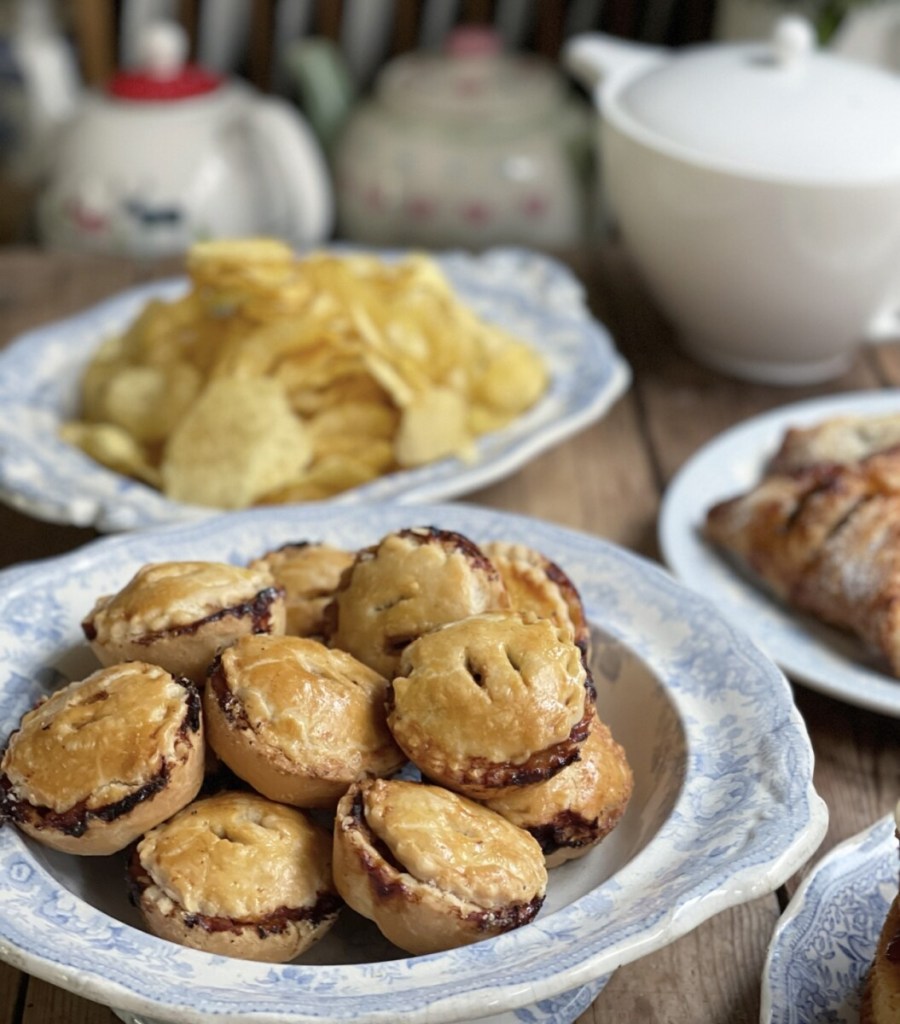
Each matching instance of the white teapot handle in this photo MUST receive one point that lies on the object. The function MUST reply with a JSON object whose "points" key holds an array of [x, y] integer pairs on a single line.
{"points": [[297, 167]]}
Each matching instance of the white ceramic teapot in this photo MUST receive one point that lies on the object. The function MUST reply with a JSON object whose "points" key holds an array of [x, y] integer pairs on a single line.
{"points": [[757, 189], [170, 153]]}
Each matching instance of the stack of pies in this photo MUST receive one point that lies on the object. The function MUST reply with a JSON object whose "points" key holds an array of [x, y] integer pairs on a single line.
{"points": [[427, 698]]}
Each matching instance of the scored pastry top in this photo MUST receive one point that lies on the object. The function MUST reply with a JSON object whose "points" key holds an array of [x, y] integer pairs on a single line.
{"points": [[454, 844], [407, 584], [497, 687], [535, 583], [98, 739], [309, 573], [308, 701], [166, 595], [238, 855]]}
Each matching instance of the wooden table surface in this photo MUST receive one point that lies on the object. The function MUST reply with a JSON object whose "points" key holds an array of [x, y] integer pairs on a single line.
{"points": [[608, 480]]}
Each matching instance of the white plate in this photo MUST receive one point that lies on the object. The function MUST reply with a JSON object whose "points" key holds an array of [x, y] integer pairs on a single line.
{"points": [[531, 295], [723, 808], [825, 940], [824, 659]]}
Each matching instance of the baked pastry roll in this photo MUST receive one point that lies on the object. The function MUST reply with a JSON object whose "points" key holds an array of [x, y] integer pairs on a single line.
{"points": [[537, 584], [100, 761], [408, 583], [309, 574], [881, 991], [298, 720], [237, 875], [181, 614], [491, 703], [576, 809], [840, 439], [826, 540], [433, 869]]}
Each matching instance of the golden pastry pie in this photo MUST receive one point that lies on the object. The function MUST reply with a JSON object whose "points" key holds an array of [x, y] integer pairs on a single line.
{"points": [[537, 584], [408, 583], [297, 720], [309, 574], [237, 875], [431, 868], [492, 702], [825, 540], [181, 614], [881, 993], [100, 761], [572, 812]]}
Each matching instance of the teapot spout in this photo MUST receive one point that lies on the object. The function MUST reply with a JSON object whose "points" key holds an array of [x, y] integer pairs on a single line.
{"points": [[597, 59]]}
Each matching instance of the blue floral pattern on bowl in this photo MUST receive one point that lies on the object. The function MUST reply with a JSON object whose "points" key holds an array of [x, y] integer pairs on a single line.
{"points": [[723, 809], [825, 941]]}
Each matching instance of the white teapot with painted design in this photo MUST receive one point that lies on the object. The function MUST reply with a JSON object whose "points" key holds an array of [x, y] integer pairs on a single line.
{"points": [[170, 153]]}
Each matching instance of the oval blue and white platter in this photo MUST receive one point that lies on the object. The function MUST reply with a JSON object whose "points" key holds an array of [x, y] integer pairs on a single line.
{"points": [[531, 295], [723, 810]]}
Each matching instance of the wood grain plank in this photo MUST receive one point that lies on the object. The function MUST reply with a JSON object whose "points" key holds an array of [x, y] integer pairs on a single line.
{"points": [[600, 481], [47, 1004], [710, 975], [13, 987]]}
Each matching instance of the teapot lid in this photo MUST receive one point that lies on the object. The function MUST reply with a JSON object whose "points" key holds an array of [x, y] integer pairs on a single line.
{"points": [[164, 73], [781, 108], [472, 78]]}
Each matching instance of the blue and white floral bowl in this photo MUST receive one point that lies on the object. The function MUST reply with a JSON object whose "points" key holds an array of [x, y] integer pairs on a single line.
{"points": [[529, 294], [723, 809], [825, 941]]}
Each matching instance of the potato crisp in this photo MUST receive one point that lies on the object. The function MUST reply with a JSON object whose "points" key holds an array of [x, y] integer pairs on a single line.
{"points": [[279, 378]]}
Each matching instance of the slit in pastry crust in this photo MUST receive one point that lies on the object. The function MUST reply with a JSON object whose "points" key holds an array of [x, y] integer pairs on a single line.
{"points": [[431, 868], [103, 759], [237, 875]]}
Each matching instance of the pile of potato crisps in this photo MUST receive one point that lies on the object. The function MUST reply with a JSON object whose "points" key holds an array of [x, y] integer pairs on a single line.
{"points": [[279, 378]]}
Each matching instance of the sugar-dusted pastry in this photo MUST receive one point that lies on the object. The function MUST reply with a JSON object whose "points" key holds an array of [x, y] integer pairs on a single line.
{"points": [[297, 720], [237, 875], [838, 439], [181, 614], [491, 703], [537, 584], [408, 583], [572, 812], [826, 540], [309, 574], [100, 761], [431, 868], [881, 992]]}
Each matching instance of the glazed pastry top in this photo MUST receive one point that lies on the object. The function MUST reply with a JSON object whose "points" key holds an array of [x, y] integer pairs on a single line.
{"points": [[164, 595], [498, 686], [411, 582], [237, 855], [455, 844], [97, 739], [301, 696]]}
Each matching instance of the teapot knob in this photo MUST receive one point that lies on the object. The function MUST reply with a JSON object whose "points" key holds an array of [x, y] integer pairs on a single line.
{"points": [[163, 49], [792, 41]]}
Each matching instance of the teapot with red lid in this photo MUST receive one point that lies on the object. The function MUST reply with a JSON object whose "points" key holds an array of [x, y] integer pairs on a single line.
{"points": [[170, 154]]}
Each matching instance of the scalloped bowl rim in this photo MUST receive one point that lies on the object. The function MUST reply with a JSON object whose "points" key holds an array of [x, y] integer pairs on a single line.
{"points": [[577, 944]]}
